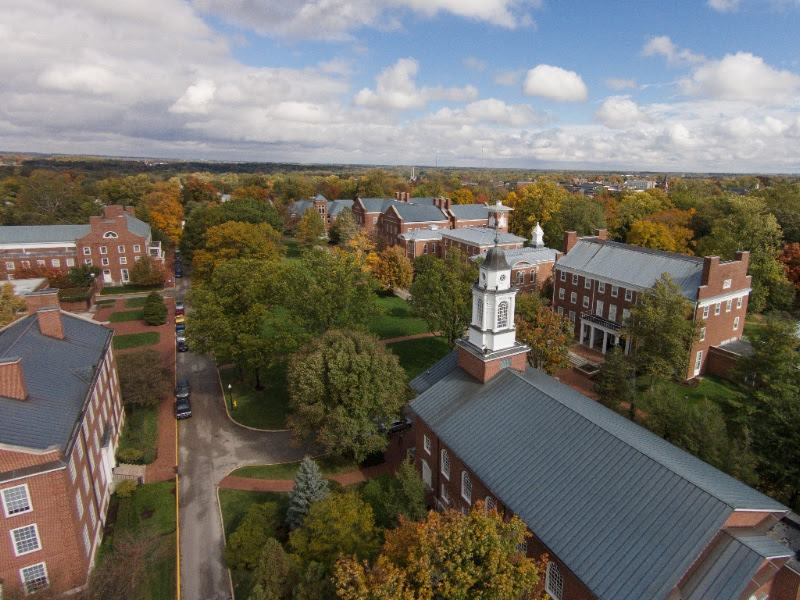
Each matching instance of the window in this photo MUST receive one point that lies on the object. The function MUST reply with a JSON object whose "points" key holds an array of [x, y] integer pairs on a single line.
{"points": [[480, 312], [629, 295], [587, 283], [55, 262], [104, 262], [561, 310], [563, 275], [573, 297], [586, 302], [554, 582], [520, 277], [123, 260], [34, 578], [39, 263], [125, 276], [572, 317], [502, 314], [702, 334], [79, 504], [625, 314], [739, 302], [698, 361], [103, 250], [16, 500], [726, 284], [87, 251], [26, 540], [560, 293], [598, 308], [121, 249], [574, 279], [10, 265], [612, 312], [137, 248], [424, 248], [109, 234], [490, 504], [25, 264], [705, 312], [466, 487], [736, 323], [426, 442], [374, 220], [728, 305], [523, 547], [445, 464], [601, 287], [87, 261], [505, 363], [717, 308], [614, 291], [445, 495], [426, 473], [70, 262]]}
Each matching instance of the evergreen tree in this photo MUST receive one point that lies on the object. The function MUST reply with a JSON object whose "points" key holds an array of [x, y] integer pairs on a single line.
{"points": [[155, 311], [309, 487], [276, 574], [615, 383]]}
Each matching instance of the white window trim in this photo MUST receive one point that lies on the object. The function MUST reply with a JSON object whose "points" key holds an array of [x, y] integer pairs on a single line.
{"points": [[573, 297], [587, 283], [137, 248], [27, 496], [574, 279], [445, 494], [426, 443], [702, 334], [629, 295], [466, 487], [554, 581], [561, 293], [444, 459], [601, 287], [614, 291], [87, 250], [25, 582], [705, 311], [563, 276], [736, 324], [15, 542], [103, 250], [717, 308], [109, 234]]}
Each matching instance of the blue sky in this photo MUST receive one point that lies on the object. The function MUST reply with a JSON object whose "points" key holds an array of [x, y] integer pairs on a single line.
{"points": [[681, 86]]}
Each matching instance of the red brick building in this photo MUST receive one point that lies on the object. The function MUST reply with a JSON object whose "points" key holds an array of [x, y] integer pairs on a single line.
{"points": [[60, 419], [620, 513], [113, 242], [597, 281], [329, 210]]}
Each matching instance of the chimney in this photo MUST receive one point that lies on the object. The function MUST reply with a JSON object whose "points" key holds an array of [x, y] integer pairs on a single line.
{"points": [[570, 239], [397, 195], [710, 263], [113, 211], [50, 323], [131, 210], [12, 381], [36, 300], [447, 203], [602, 234]]}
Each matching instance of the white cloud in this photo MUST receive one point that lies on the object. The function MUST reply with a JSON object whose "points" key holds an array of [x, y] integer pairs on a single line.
{"points": [[474, 64], [196, 98], [395, 89], [742, 76], [508, 78], [618, 112], [617, 83], [555, 83], [724, 5], [663, 46]]}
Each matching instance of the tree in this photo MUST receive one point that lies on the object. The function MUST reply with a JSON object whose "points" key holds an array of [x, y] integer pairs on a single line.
{"points": [[196, 190], [144, 379], [341, 386], [83, 275], [310, 230], [547, 333], [243, 550], [309, 487], [462, 196], [340, 525], [393, 498], [148, 271], [10, 304], [576, 213], [344, 228], [534, 203], [393, 269], [276, 574], [615, 385], [119, 572], [790, 257], [253, 211], [155, 311], [198, 222], [47, 198], [236, 240], [636, 207], [164, 210], [446, 555], [441, 294]]}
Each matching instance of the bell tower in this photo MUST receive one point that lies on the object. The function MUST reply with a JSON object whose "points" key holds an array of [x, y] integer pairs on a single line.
{"points": [[491, 344]]}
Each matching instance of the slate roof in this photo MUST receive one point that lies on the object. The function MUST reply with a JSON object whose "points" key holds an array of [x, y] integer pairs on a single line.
{"points": [[626, 511], [468, 212], [335, 207], [532, 256], [378, 205], [425, 234], [419, 213], [481, 236], [633, 267], [299, 207], [31, 234], [57, 373], [137, 226]]}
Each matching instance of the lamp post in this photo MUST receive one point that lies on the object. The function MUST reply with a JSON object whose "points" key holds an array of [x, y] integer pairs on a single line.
{"points": [[230, 395]]}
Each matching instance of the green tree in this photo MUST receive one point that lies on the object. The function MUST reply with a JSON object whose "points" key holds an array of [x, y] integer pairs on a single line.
{"points": [[636, 207], [155, 311], [309, 487], [576, 213], [310, 230], [446, 555], [83, 275], [615, 385], [547, 333], [276, 574], [250, 210], [393, 269], [236, 240], [341, 525], [344, 228], [394, 497], [534, 203], [148, 271], [341, 386], [243, 550], [197, 224], [10, 304], [49, 198], [144, 379], [441, 294]]}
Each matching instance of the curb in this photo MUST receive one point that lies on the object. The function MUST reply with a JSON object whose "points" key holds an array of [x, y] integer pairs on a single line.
{"points": [[234, 421], [224, 539]]}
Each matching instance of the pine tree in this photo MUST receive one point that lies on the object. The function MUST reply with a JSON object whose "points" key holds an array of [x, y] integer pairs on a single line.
{"points": [[309, 487]]}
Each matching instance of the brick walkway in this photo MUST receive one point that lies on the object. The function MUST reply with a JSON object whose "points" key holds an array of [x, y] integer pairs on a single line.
{"points": [[163, 468], [415, 336]]}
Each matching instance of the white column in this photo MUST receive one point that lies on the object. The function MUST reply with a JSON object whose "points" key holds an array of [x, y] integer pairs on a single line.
{"points": [[627, 346], [605, 339], [591, 337]]}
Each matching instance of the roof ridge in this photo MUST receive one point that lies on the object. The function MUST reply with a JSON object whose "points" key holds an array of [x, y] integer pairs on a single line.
{"points": [[642, 249]]}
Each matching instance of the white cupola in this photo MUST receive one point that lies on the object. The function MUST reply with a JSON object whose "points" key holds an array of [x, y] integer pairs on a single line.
{"points": [[537, 236]]}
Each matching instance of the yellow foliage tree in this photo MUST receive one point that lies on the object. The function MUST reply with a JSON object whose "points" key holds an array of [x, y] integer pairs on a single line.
{"points": [[534, 203], [462, 196], [393, 269], [163, 205], [10, 304], [236, 240]]}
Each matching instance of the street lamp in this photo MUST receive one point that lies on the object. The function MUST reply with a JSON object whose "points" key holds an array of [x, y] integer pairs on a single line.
{"points": [[230, 395]]}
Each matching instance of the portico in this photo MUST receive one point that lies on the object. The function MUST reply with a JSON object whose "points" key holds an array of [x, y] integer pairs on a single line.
{"points": [[596, 329]]}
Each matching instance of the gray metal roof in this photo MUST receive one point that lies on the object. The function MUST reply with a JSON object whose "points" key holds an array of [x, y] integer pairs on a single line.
{"points": [[739, 347], [425, 380], [378, 205], [481, 236], [533, 256], [57, 373], [299, 207], [467, 212], [30, 234], [419, 213], [335, 207], [631, 266], [137, 226], [319, 198], [425, 234], [625, 510]]}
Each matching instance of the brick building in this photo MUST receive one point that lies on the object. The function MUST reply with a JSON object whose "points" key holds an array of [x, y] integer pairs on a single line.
{"points": [[113, 242], [597, 281], [60, 419], [621, 513], [329, 210]]}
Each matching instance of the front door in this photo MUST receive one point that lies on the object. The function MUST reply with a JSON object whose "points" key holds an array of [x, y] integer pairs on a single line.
{"points": [[107, 276]]}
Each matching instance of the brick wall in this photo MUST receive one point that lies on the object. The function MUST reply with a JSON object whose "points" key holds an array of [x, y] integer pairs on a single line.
{"points": [[484, 370], [119, 252]]}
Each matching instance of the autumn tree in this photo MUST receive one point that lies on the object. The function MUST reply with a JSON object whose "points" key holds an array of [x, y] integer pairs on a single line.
{"points": [[252, 192], [446, 555], [636, 207], [393, 269], [196, 190], [10, 304], [236, 240], [534, 203], [310, 230], [462, 196], [341, 386], [276, 574], [548, 334], [144, 379], [344, 228], [441, 294], [164, 210], [576, 213], [309, 487], [399, 497], [148, 271], [48, 198], [790, 258], [126, 191]]}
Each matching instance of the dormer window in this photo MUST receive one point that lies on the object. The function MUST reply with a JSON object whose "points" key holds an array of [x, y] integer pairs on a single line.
{"points": [[110, 234]]}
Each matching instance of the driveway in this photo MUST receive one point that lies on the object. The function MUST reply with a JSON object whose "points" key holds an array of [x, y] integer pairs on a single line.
{"points": [[210, 446]]}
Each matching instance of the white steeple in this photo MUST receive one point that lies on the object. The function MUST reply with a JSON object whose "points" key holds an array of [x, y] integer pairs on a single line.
{"points": [[537, 236]]}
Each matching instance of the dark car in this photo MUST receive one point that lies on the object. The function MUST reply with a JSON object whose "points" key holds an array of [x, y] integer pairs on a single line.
{"points": [[180, 344], [395, 426], [178, 272], [183, 408], [180, 328], [182, 389]]}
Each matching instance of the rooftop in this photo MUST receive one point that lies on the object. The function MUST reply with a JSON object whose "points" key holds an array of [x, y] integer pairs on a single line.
{"points": [[481, 236]]}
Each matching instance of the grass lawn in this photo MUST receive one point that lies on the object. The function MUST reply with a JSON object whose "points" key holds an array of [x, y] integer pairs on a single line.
{"points": [[418, 355], [141, 432], [150, 512], [129, 289], [126, 315], [263, 409], [395, 320], [329, 464], [135, 340], [105, 302], [714, 388], [137, 302], [293, 249]]}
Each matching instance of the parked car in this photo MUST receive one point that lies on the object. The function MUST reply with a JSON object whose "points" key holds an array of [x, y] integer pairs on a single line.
{"points": [[182, 389], [178, 271], [183, 408], [395, 426], [180, 318], [179, 308], [180, 328], [180, 343]]}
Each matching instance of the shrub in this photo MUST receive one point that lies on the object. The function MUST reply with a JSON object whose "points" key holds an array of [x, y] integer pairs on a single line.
{"points": [[148, 271], [155, 311], [130, 455], [125, 488], [245, 544]]}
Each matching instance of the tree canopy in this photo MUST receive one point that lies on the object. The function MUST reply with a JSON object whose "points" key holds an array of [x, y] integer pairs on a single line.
{"points": [[10, 304], [236, 240], [547, 333]]}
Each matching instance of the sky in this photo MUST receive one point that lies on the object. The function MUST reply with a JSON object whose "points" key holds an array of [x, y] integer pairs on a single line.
{"points": [[679, 86]]}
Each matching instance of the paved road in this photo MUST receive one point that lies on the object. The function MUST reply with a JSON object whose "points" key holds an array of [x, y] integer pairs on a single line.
{"points": [[210, 447]]}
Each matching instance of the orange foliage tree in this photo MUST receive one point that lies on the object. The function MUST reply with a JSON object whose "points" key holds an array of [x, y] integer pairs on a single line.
{"points": [[790, 257], [547, 333], [163, 205]]}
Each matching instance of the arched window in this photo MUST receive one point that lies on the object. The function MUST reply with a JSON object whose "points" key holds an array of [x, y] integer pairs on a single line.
{"points": [[520, 277], [466, 487], [480, 312], [533, 276], [445, 464], [110, 234], [554, 583], [502, 314]]}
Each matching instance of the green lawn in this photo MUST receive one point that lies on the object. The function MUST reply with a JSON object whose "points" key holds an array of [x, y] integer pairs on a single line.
{"points": [[714, 388], [141, 432], [293, 249], [395, 319], [419, 355], [105, 302], [263, 409], [150, 512], [129, 289], [126, 315], [137, 302], [135, 340], [329, 464]]}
